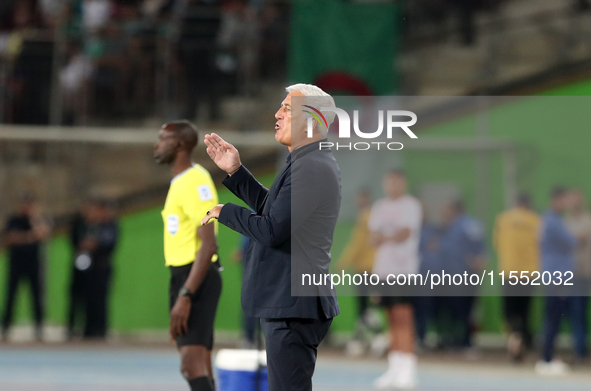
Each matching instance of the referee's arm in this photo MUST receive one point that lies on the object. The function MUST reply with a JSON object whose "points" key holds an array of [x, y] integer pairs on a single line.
{"points": [[209, 248], [179, 315]]}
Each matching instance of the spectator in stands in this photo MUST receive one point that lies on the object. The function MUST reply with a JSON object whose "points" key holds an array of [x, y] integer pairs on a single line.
{"points": [[24, 234], [467, 11], [71, 23], [137, 76], [461, 250], [467, 20], [249, 51], [108, 51], [25, 83], [51, 11], [416, 13], [274, 40], [198, 48], [557, 246], [516, 242], [579, 224], [239, 42], [74, 79], [95, 14], [19, 15], [151, 9]]}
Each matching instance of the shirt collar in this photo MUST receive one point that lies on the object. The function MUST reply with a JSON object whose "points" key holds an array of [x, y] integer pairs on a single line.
{"points": [[182, 173], [304, 150]]}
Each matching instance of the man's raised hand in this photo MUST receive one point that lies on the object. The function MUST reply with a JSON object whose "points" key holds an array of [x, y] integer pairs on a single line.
{"points": [[224, 155]]}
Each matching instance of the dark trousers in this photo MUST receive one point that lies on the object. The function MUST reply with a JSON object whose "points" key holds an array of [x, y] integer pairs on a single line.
{"points": [[291, 351], [459, 310], [249, 323], [362, 305], [516, 310], [97, 290], [89, 293], [21, 271], [424, 313], [555, 311], [579, 315], [77, 300]]}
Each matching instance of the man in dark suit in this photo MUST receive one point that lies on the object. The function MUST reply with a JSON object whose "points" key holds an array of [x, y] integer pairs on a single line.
{"points": [[291, 233]]}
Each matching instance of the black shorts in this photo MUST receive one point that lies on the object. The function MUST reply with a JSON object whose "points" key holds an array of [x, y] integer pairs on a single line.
{"points": [[204, 304]]}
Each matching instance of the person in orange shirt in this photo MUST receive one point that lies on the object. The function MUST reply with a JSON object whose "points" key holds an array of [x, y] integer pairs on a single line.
{"points": [[516, 243]]}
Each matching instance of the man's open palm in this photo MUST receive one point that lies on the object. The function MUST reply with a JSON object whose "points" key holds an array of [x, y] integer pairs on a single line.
{"points": [[222, 153]]}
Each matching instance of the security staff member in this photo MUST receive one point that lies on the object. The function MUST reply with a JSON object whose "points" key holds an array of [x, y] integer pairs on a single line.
{"points": [[291, 235], [190, 253], [24, 234], [95, 262], [78, 228]]}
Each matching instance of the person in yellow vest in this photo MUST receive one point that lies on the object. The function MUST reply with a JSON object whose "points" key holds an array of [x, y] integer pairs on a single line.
{"points": [[358, 257], [516, 243], [359, 254], [190, 252]]}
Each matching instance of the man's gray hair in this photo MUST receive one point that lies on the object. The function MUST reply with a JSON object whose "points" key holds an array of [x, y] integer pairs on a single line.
{"points": [[316, 98]]}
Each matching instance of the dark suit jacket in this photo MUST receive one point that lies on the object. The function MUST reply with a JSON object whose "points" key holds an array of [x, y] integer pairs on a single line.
{"points": [[294, 220]]}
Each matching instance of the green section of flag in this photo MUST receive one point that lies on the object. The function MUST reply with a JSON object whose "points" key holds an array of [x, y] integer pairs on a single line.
{"points": [[358, 39]]}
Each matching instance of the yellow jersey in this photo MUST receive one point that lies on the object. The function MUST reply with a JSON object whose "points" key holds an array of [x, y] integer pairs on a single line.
{"points": [[516, 240], [190, 196]]}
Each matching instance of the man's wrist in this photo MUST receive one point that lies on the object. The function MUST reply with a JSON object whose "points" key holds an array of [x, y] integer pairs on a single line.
{"points": [[185, 292], [235, 171]]}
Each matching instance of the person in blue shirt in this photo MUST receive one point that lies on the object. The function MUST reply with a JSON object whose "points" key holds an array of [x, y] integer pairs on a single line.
{"points": [[426, 306], [557, 249], [461, 250]]}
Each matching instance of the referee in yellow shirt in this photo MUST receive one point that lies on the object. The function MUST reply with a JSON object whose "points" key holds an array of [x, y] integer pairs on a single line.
{"points": [[190, 251], [516, 242]]}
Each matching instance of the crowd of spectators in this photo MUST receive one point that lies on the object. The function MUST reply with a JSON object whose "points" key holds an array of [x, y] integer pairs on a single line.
{"points": [[131, 58], [430, 18]]}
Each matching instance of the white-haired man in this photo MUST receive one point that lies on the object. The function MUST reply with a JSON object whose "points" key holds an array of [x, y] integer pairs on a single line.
{"points": [[290, 235]]}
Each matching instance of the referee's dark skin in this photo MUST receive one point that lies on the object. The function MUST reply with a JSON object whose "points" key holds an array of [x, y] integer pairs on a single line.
{"points": [[174, 148]]}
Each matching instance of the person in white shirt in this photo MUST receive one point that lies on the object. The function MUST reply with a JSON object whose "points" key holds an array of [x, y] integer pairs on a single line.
{"points": [[395, 223]]}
